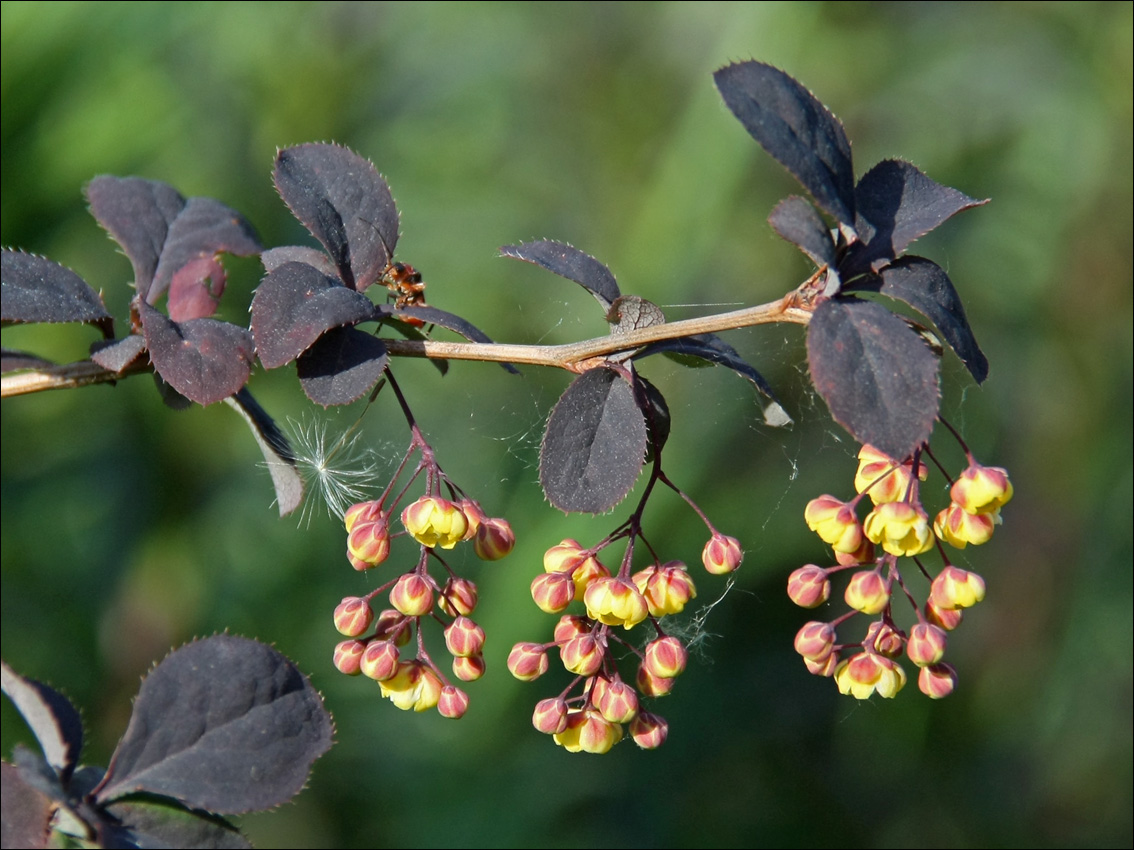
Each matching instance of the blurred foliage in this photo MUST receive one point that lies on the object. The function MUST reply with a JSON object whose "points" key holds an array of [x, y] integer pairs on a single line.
{"points": [[128, 528]]}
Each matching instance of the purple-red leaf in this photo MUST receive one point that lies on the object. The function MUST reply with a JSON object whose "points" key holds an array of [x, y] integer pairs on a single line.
{"points": [[342, 366], [120, 353], [878, 377], [795, 128], [342, 199], [441, 318], [50, 716], [12, 360], [897, 204], [273, 258], [296, 304], [594, 445], [924, 285], [35, 289], [571, 263], [203, 359], [797, 221], [143, 822], [25, 816], [224, 724]]}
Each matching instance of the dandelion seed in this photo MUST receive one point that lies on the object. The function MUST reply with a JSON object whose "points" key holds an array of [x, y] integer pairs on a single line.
{"points": [[339, 470]]}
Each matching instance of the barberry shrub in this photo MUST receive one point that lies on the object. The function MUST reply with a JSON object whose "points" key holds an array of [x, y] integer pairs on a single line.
{"points": [[878, 321]]}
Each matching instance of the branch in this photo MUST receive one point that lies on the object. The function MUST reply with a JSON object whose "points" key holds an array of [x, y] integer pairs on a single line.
{"points": [[794, 307]]}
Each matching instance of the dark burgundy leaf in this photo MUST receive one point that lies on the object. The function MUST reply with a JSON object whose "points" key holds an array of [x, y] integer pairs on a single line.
{"points": [[342, 366], [204, 359], [170, 397], [343, 200], [152, 822], [196, 289], [924, 285], [26, 811], [224, 724], [277, 451], [656, 411], [629, 313], [795, 128], [441, 318], [897, 204], [50, 716], [12, 360], [273, 258], [137, 213], [594, 445], [202, 229], [571, 263], [120, 353], [878, 377], [35, 289], [797, 221], [295, 305]]}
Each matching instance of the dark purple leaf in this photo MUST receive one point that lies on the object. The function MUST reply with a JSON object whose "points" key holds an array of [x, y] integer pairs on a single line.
{"points": [[203, 359], [630, 312], [120, 353], [657, 416], [35, 289], [797, 221], [795, 128], [441, 318], [878, 377], [571, 263], [924, 286], [342, 367], [12, 360], [897, 204], [273, 258], [25, 813], [50, 716], [343, 200], [224, 724], [277, 451], [594, 445], [295, 305], [158, 823]]}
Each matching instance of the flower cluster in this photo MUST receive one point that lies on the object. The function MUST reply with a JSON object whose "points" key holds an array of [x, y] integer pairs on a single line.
{"points": [[598, 707], [374, 644], [897, 526]]}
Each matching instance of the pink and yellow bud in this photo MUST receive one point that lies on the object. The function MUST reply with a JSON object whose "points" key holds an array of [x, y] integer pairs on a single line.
{"points": [[474, 516], [956, 588], [815, 641], [582, 655], [353, 616], [615, 602], [883, 478], [527, 661], [958, 527], [362, 512], [552, 592], [368, 543], [379, 660], [666, 588], [900, 528], [666, 657], [452, 703], [413, 686], [458, 597], [433, 521], [570, 626], [809, 587], [588, 572], [825, 668], [587, 731], [649, 731], [946, 618], [412, 595], [615, 700], [982, 489], [866, 673], [348, 657], [835, 522], [864, 554], [393, 626], [468, 668], [564, 557], [722, 554], [868, 592], [463, 638], [650, 685], [550, 716], [494, 539], [937, 681], [883, 639], [926, 645]]}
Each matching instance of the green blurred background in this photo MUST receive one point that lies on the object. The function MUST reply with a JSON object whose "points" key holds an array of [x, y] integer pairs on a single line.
{"points": [[128, 528]]}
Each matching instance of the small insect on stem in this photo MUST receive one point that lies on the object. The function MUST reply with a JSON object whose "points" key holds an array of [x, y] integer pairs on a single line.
{"points": [[405, 282]]}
